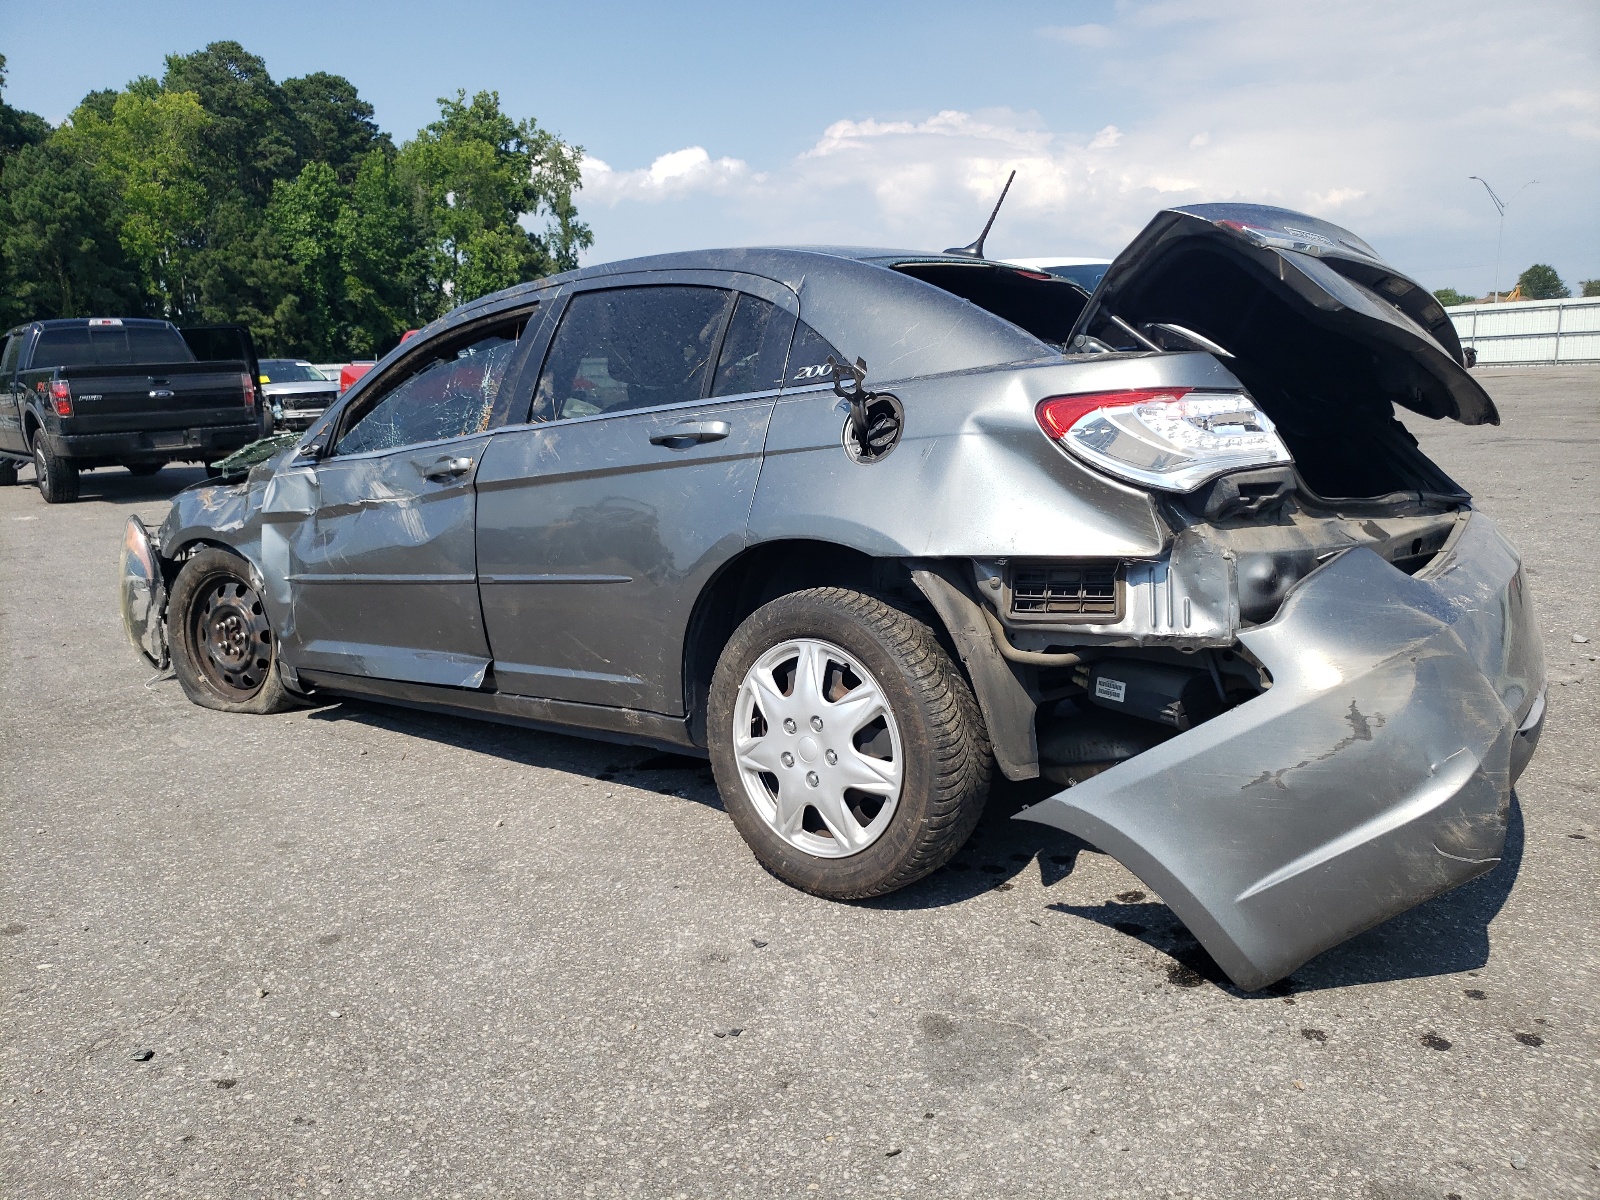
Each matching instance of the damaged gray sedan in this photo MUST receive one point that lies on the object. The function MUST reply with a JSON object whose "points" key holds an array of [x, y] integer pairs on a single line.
{"points": [[864, 526]]}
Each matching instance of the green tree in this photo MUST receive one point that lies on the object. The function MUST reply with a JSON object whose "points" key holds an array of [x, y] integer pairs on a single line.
{"points": [[17, 128], [385, 258], [252, 138], [475, 174], [150, 151], [58, 237], [1540, 282], [304, 214], [217, 194], [1449, 296], [336, 124], [1591, 287]]}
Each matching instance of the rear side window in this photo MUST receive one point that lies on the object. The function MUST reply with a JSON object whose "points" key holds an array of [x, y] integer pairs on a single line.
{"points": [[110, 346], [808, 357], [631, 348], [1045, 305], [753, 350], [452, 393], [8, 360]]}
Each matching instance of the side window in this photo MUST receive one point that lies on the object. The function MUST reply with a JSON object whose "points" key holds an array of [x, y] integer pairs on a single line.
{"points": [[808, 357], [631, 348], [8, 360], [754, 348], [453, 392]]}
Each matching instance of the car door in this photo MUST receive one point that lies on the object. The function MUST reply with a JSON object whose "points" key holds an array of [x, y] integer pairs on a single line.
{"points": [[375, 535], [600, 521], [10, 405]]}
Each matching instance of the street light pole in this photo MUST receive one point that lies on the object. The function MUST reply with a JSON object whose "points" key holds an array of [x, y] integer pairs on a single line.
{"points": [[1500, 207]]}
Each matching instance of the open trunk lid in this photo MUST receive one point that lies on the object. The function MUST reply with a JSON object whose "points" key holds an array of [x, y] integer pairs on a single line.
{"points": [[1302, 306]]}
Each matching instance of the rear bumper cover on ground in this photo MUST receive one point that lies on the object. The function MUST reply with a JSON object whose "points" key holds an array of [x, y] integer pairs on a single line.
{"points": [[1374, 774]]}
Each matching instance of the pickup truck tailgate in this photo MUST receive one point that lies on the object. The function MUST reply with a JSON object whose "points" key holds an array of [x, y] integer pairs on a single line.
{"points": [[186, 396]]}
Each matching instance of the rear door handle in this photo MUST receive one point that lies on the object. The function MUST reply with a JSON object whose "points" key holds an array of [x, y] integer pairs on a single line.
{"points": [[448, 468], [691, 433]]}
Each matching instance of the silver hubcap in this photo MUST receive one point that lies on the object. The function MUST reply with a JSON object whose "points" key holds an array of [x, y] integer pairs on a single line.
{"points": [[818, 749]]}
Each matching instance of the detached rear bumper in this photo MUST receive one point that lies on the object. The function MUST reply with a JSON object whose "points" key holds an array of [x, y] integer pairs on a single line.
{"points": [[1375, 773]]}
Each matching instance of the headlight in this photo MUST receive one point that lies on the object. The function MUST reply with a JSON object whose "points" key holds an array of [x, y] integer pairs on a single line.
{"points": [[1174, 439]]}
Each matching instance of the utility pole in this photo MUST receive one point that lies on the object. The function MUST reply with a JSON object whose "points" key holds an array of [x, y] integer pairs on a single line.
{"points": [[1500, 207]]}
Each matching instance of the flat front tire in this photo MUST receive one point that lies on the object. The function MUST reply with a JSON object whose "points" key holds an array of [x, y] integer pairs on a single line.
{"points": [[847, 747], [57, 477], [224, 651]]}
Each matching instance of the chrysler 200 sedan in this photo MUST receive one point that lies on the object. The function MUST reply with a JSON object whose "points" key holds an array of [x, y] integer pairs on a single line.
{"points": [[864, 526]]}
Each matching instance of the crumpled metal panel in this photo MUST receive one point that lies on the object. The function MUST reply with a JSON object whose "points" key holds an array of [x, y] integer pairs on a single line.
{"points": [[1374, 774], [143, 593], [1187, 598]]}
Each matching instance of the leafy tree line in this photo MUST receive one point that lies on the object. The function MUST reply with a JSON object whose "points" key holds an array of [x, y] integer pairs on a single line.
{"points": [[1538, 282], [216, 194]]}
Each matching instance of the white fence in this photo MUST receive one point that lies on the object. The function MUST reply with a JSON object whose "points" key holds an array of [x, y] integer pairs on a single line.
{"points": [[1531, 331]]}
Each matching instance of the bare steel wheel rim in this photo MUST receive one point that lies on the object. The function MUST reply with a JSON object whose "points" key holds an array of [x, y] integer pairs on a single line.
{"points": [[230, 631], [818, 749]]}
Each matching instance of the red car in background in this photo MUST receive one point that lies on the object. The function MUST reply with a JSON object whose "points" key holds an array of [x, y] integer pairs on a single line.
{"points": [[353, 371]]}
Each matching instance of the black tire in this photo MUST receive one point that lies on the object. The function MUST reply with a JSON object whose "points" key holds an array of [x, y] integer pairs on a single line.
{"points": [[8, 472], [57, 477], [224, 653], [947, 762], [144, 470]]}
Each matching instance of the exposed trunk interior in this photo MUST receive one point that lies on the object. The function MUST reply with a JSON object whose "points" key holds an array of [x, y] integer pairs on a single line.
{"points": [[1329, 395]]}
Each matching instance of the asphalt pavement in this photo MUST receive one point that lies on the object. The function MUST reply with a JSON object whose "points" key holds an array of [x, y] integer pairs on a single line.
{"points": [[358, 951]]}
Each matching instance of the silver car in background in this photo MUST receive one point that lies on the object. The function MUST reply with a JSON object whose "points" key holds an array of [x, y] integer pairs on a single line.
{"points": [[295, 392], [864, 526]]}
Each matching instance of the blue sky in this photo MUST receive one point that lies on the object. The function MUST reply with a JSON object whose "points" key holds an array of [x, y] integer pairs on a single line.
{"points": [[718, 124]]}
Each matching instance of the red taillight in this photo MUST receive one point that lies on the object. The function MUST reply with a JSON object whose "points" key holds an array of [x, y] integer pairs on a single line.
{"points": [[249, 391], [1060, 413], [61, 397]]}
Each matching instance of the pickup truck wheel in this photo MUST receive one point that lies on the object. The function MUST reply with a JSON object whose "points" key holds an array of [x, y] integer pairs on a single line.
{"points": [[848, 748], [224, 652], [57, 477], [144, 470], [8, 472]]}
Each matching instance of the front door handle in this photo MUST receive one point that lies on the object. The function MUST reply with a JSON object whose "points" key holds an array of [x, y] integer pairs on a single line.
{"points": [[448, 468], [691, 433]]}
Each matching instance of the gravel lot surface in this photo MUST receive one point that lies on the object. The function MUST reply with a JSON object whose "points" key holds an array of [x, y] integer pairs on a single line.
{"points": [[358, 951]]}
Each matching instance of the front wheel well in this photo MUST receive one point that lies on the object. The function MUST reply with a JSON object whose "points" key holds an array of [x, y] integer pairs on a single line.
{"points": [[760, 575]]}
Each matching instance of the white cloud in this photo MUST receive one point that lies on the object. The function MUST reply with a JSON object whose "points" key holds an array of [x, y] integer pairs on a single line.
{"points": [[1091, 36], [1374, 119], [678, 173]]}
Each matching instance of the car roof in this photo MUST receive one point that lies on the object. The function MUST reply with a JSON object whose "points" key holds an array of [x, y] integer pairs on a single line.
{"points": [[52, 322], [1039, 264], [900, 325]]}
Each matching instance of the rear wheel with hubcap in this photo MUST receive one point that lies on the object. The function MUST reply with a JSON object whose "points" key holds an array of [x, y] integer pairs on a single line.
{"points": [[847, 746], [223, 649]]}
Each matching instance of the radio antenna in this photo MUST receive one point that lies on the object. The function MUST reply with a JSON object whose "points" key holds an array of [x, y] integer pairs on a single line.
{"points": [[975, 250]]}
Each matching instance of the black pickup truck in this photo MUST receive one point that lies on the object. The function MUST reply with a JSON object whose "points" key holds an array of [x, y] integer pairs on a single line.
{"points": [[89, 392]]}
